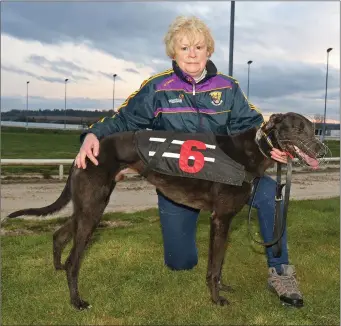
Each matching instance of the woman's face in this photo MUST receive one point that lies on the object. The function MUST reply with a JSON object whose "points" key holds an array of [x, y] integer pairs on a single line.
{"points": [[191, 57]]}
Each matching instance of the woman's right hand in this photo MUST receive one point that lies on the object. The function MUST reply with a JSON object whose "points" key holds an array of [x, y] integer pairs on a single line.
{"points": [[90, 149]]}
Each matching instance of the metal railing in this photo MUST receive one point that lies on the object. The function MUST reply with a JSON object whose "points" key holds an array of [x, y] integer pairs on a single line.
{"points": [[29, 161], [62, 162]]}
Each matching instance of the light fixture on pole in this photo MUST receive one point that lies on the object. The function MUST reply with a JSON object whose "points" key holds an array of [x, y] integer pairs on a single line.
{"points": [[66, 79], [27, 104], [113, 93], [248, 78], [325, 99]]}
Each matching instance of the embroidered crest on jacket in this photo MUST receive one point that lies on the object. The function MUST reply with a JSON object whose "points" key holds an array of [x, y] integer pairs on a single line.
{"points": [[216, 98]]}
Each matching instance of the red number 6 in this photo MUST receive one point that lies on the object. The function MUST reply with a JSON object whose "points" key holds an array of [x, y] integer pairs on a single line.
{"points": [[186, 152]]}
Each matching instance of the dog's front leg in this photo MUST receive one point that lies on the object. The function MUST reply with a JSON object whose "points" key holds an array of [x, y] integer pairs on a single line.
{"points": [[222, 286], [220, 224]]}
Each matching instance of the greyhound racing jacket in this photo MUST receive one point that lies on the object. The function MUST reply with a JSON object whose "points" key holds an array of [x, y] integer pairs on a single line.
{"points": [[172, 100]]}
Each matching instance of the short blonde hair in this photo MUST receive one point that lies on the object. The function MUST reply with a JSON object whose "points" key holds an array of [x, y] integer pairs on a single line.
{"points": [[189, 26]]}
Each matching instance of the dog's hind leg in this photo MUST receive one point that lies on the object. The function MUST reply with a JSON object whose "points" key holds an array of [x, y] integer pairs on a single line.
{"points": [[86, 217], [60, 239], [220, 224], [64, 234], [84, 227]]}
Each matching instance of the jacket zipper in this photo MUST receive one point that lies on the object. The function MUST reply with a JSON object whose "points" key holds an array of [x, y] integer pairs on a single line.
{"points": [[196, 107]]}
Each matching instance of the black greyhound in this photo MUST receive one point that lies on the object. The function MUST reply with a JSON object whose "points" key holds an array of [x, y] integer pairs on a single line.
{"points": [[90, 190]]}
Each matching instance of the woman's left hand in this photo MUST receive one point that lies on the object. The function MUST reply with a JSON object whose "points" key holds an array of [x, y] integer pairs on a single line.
{"points": [[279, 156]]}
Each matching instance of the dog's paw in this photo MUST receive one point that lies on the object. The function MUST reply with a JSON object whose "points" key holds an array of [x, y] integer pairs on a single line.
{"points": [[59, 267], [221, 301], [81, 305]]}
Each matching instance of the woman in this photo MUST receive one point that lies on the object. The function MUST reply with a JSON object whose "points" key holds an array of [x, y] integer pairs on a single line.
{"points": [[192, 97]]}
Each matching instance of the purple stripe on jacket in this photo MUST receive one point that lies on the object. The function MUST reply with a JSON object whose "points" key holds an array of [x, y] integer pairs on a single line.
{"points": [[173, 82], [215, 82]]}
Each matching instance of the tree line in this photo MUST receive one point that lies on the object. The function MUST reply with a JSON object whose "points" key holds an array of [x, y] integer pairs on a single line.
{"points": [[57, 112]]}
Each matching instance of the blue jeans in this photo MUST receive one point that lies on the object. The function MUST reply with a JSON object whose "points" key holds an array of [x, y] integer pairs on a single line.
{"points": [[179, 223]]}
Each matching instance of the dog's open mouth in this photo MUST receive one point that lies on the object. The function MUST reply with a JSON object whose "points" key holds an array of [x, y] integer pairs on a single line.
{"points": [[309, 153], [311, 161]]}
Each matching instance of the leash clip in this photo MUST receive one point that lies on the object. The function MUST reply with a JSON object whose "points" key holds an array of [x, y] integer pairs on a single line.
{"points": [[279, 195]]}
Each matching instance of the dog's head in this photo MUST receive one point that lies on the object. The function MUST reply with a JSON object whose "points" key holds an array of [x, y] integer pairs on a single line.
{"points": [[295, 134]]}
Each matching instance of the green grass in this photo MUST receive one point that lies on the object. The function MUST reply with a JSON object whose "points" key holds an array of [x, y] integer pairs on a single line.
{"points": [[38, 143], [124, 278], [334, 147]]}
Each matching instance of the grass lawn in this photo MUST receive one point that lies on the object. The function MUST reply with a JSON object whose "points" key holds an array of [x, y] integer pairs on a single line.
{"points": [[334, 147], [124, 278], [39, 144]]}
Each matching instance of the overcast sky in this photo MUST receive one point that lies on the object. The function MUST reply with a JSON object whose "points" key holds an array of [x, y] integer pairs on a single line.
{"points": [[87, 42]]}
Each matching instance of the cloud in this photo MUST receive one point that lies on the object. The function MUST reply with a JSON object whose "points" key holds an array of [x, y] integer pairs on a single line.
{"points": [[110, 76], [38, 77], [288, 79], [54, 61], [134, 71], [121, 29], [66, 68], [39, 102], [308, 107], [61, 66], [134, 31]]}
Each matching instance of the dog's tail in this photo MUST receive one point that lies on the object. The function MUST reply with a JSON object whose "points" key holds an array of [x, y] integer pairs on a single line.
{"points": [[61, 202]]}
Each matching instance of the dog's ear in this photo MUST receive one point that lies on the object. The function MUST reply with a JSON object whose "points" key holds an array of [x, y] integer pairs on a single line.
{"points": [[273, 120]]}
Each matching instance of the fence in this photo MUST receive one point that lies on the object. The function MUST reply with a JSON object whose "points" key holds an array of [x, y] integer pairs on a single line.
{"points": [[26, 162], [62, 162]]}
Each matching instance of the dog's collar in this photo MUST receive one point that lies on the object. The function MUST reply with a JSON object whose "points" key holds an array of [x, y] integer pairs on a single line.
{"points": [[264, 143]]}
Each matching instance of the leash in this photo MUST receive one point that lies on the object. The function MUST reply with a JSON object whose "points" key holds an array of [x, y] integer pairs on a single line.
{"points": [[265, 145], [280, 217]]}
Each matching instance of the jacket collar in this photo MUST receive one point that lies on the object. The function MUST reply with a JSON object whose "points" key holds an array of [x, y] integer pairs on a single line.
{"points": [[210, 68]]}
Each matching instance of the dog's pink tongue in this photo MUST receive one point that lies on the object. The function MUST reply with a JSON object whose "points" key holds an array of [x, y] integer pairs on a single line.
{"points": [[312, 162]]}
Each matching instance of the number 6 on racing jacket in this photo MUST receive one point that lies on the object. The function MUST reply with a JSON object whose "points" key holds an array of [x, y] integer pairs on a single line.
{"points": [[188, 155]]}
